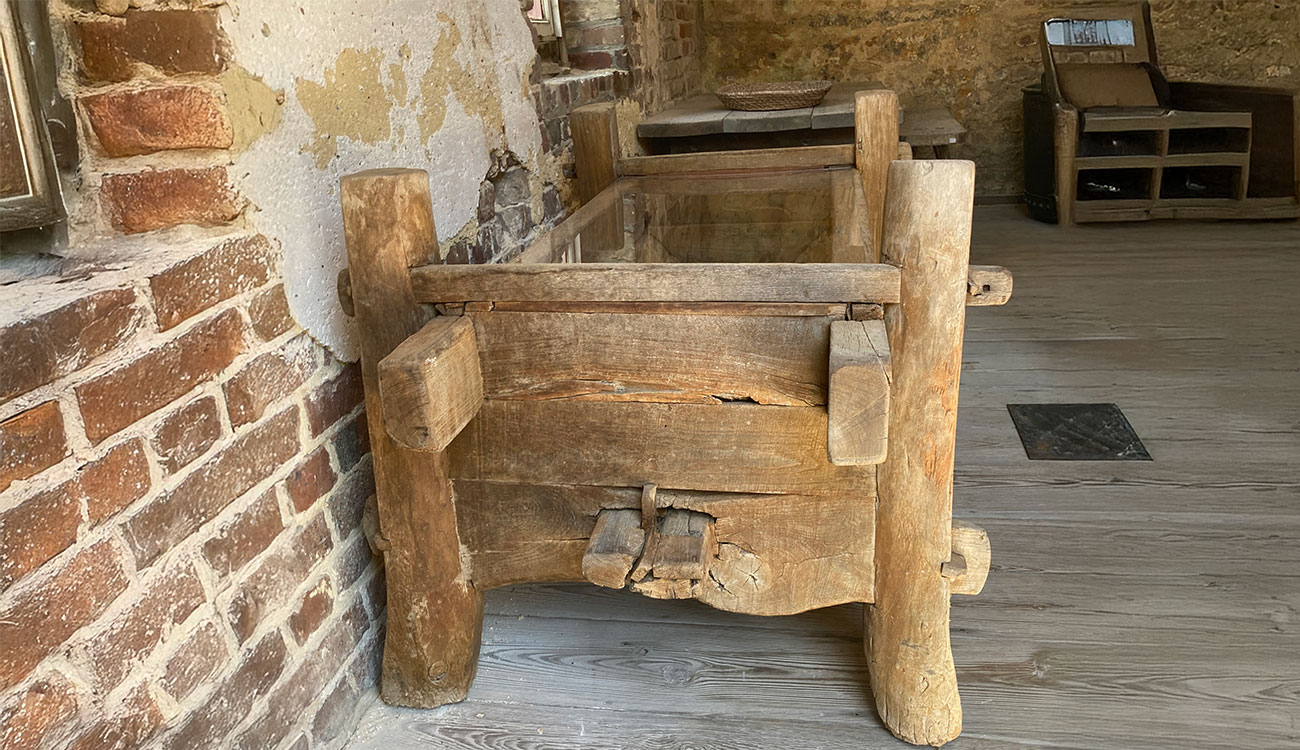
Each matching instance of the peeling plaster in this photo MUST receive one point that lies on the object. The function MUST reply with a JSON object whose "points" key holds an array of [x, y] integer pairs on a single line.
{"points": [[437, 85], [254, 108], [352, 102]]}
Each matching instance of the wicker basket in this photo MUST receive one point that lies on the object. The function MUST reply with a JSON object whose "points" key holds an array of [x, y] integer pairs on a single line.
{"points": [[758, 97]]}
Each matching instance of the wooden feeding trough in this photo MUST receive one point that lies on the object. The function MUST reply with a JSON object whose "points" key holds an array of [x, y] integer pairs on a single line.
{"points": [[704, 384]]}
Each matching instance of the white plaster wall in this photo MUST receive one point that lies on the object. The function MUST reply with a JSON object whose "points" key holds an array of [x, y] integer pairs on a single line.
{"points": [[300, 46]]}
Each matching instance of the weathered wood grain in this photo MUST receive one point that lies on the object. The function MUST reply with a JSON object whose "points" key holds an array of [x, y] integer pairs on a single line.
{"points": [[686, 545], [595, 160], [435, 615], [430, 385], [777, 554], [730, 161], [1150, 606], [970, 546], [615, 546], [850, 241], [760, 309], [664, 358], [858, 394], [655, 282], [988, 285], [724, 448], [875, 127], [927, 221]]}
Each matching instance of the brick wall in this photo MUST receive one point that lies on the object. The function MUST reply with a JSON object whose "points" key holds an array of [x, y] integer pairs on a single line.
{"points": [[665, 50], [594, 35], [183, 470]]}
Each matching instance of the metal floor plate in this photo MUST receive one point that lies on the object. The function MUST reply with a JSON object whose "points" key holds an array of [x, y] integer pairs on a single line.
{"points": [[1076, 432]]}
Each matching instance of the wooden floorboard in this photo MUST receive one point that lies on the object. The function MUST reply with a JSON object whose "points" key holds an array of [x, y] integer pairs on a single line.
{"points": [[1130, 604]]}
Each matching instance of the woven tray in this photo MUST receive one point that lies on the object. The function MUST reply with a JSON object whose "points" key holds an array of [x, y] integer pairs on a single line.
{"points": [[759, 97]]}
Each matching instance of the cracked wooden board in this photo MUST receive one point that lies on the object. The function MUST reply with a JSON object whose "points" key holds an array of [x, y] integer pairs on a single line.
{"points": [[660, 358], [777, 554]]}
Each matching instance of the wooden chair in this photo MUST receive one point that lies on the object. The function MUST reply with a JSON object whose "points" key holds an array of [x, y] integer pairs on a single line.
{"points": [[1131, 145]]}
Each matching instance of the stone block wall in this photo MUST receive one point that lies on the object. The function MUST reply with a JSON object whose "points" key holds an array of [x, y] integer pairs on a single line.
{"points": [[974, 58], [183, 469]]}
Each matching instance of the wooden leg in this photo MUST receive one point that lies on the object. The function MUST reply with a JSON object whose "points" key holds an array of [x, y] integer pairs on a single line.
{"points": [[1066, 140], [927, 234], [435, 615]]}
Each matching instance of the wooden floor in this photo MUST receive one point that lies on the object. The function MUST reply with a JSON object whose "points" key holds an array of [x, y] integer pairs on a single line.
{"points": [[1131, 604]]}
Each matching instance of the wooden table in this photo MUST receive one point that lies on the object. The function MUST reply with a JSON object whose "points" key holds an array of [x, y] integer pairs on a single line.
{"points": [[701, 123]]}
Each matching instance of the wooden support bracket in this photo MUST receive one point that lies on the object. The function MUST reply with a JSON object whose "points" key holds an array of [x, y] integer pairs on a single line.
{"points": [[857, 425], [969, 567], [987, 285], [430, 386], [685, 546], [616, 544]]}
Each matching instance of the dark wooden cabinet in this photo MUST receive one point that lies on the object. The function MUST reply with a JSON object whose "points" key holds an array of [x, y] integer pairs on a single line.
{"points": [[1108, 138]]}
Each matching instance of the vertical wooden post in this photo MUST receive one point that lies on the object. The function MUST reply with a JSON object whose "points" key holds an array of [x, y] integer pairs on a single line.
{"points": [[927, 234], [1066, 139], [875, 125], [595, 159], [435, 616]]}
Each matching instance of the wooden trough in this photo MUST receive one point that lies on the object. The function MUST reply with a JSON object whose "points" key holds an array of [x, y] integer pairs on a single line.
{"points": [[730, 377]]}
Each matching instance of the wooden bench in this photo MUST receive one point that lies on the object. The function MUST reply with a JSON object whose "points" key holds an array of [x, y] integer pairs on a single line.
{"points": [[639, 404]]}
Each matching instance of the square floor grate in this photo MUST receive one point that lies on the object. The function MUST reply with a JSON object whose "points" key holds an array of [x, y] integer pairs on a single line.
{"points": [[1076, 432]]}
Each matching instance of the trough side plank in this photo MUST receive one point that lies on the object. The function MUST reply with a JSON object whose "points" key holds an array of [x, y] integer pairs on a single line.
{"points": [[724, 448], [663, 358]]}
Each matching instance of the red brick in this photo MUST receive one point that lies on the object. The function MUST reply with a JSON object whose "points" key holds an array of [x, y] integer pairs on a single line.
{"points": [[30, 442], [275, 578], [31, 720], [289, 701], [40, 618], [377, 594], [49, 346], [129, 123], [212, 486], [315, 606], [112, 401], [230, 268], [38, 529], [245, 536], [352, 442], [368, 664], [159, 198], [130, 636], [591, 60], [348, 502], [354, 561], [269, 312], [229, 704], [195, 662], [313, 478], [172, 41], [334, 399], [333, 718], [187, 433], [268, 379], [136, 719], [115, 481]]}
